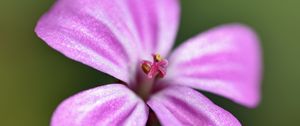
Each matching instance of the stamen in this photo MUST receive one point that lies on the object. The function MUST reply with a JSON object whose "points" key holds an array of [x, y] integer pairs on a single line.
{"points": [[156, 57], [157, 68], [146, 66]]}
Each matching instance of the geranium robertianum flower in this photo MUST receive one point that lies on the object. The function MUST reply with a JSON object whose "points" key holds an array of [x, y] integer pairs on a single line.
{"points": [[130, 40]]}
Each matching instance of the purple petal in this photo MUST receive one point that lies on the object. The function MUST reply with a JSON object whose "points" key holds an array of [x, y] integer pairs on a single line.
{"points": [[224, 61], [109, 105], [182, 106], [110, 35], [156, 22]]}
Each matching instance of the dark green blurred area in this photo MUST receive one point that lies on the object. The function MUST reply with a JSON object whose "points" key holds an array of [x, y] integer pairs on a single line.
{"points": [[34, 78]]}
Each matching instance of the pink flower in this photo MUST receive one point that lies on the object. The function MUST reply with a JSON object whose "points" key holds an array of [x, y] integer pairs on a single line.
{"points": [[130, 40]]}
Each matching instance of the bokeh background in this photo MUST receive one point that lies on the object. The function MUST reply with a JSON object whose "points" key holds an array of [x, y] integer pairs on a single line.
{"points": [[34, 78]]}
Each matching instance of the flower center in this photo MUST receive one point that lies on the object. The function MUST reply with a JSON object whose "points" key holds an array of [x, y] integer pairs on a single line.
{"points": [[157, 68], [150, 72]]}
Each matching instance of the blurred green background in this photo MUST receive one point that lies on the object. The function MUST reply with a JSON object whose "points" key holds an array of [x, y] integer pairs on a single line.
{"points": [[34, 78]]}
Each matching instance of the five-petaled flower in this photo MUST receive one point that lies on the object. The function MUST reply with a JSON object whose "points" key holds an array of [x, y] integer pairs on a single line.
{"points": [[130, 40]]}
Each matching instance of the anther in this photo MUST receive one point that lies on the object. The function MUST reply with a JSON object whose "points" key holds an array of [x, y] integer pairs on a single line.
{"points": [[146, 66], [156, 57]]}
